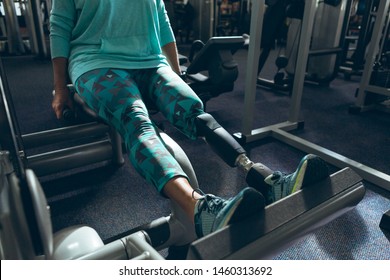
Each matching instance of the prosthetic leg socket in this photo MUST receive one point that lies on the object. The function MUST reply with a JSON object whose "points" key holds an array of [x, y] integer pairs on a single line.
{"points": [[219, 139]]}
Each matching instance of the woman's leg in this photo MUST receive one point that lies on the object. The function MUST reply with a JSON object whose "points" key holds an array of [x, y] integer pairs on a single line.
{"points": [[114, 95], [174, 99]]}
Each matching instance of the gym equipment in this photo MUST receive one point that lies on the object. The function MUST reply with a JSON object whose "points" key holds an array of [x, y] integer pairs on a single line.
{"points": [[96, 142], [202, 19], [385, 221], [280, 130], [374, 85], [265, 235], [228, 17], [26, 231], [274, 22], [182, 19], [358, 37], [13, 37], [203, 24], [215, 57], [30, 14], [326, 42]]}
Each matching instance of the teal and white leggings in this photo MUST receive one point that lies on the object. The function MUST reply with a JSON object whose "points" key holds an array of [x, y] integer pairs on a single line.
{"points": [[118, 95]]}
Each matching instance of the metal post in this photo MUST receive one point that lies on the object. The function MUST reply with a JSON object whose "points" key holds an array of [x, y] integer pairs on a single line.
{"points": [[14, 39], [303, 54], [25, 8], [38, 28], [256, 27], [382, 14]]}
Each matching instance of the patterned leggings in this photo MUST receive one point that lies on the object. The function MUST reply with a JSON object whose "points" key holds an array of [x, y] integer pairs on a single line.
{"points": [[119, 97]]}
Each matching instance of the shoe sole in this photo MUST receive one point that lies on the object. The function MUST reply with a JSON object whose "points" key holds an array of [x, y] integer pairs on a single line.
{"points": [[313, 170], [247, 203]]}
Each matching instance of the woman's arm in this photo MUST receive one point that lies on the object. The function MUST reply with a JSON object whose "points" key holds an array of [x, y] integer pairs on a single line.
{"points": [[167, 38], [61, 25], [170, 51], [62, 97]]}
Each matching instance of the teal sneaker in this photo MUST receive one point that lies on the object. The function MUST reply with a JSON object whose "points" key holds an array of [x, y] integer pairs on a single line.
{"points": [[213, 213], [311, 169]]}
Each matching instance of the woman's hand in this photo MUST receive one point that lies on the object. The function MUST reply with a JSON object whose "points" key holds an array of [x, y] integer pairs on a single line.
{"points": [[62, 99]]}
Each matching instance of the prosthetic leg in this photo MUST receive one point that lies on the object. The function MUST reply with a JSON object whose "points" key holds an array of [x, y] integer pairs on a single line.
{"points": [[234, 155], [230, 151]]}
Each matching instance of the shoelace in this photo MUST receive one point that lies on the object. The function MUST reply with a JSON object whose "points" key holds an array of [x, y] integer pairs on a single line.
{"points": [[280, 179], [212, 203]]}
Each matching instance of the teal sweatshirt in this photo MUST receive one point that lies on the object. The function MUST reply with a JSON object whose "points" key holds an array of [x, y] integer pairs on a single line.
{"points": [[93, 34]]}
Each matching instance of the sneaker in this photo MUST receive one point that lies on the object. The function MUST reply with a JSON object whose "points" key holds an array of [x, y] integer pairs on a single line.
{"points": [[213, 213], [311, 169]]}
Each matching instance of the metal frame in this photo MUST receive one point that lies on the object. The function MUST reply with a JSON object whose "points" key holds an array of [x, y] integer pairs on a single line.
{"points": [[280, 131], [205, 20], [37, 30], [14, 39], [102, 142], [353, 65], [107, 148], [381, 27], [31, 12]]}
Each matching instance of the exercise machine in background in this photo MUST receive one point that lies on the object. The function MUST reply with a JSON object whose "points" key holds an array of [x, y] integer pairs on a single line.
{"points": [[282, 27], [203, 19], [280, 131], [374, 87], [25, 27], [362, 17], [212, 69]]}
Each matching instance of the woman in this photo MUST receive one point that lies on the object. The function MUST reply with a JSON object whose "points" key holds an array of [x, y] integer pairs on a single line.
{"points": [[119, 54]]}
